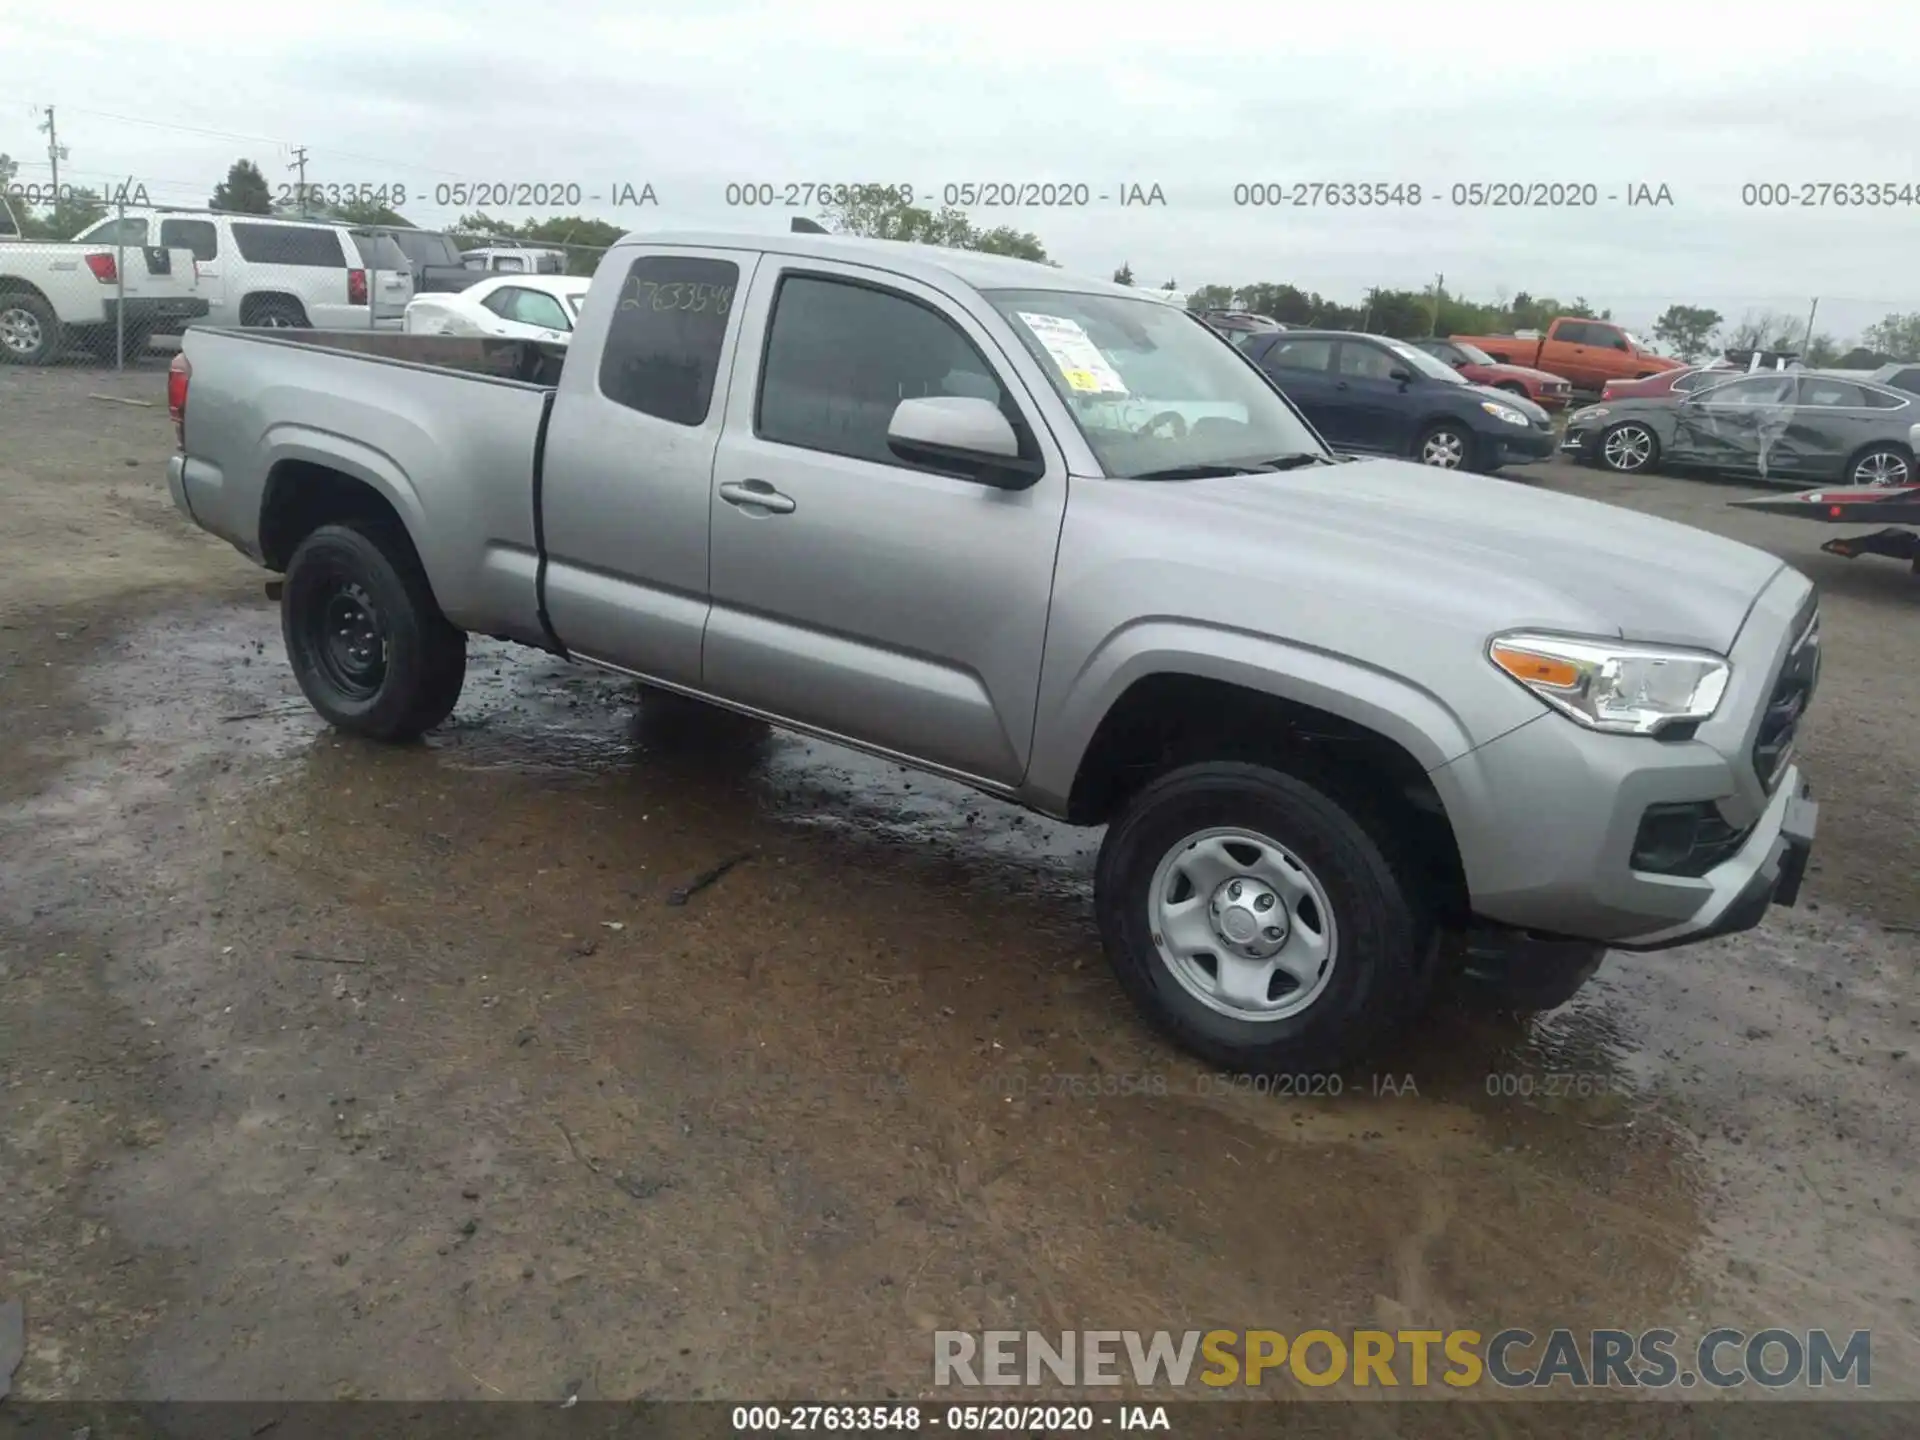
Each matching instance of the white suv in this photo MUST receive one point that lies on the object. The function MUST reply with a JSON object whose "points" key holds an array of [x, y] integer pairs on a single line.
{"points": [[257, 270]]}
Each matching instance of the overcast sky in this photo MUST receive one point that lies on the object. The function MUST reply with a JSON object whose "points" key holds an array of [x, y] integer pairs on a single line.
{"points": [[1195, 98]]}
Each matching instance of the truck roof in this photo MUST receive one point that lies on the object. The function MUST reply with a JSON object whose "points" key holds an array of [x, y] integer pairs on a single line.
{"points": [[921, 262]]}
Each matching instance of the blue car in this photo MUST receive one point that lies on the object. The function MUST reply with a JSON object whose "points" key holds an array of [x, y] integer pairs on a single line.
{"points": [[1371, 395]]}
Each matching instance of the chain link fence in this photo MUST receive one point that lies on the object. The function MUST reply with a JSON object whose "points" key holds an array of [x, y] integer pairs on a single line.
{"points": [[118, 291]]}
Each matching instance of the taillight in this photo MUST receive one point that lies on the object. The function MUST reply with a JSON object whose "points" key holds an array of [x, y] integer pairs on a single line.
{"points": [[103, 268], [356, 287], [178, 374]]}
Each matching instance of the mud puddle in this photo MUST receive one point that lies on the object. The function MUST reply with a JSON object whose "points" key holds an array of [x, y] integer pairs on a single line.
{"points": [[449, 1099]]}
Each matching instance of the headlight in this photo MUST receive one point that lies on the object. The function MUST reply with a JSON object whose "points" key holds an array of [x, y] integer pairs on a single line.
{"points": [[1613, 686], [1588, 412], [1504, 412]]}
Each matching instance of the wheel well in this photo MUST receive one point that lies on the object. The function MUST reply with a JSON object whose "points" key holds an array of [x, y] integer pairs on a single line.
{"points": [[1164, 721], [14, 285], [1867, 449], [251, 305], [302, 496]]}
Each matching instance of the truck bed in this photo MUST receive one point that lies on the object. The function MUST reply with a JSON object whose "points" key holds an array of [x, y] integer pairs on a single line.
{"points": [[524, 360]]}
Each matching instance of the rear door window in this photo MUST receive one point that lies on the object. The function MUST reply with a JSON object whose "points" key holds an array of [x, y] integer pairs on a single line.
{"points": [[1288, 353], [669, 326], [200, 236]]}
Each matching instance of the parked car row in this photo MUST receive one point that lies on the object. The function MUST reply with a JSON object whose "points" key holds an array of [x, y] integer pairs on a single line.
{"points": [[1777, 426], [273, 273]]}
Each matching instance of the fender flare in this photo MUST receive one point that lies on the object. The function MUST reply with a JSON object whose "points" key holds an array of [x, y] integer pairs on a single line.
{"points": [[1418, 721], [353, 458]]}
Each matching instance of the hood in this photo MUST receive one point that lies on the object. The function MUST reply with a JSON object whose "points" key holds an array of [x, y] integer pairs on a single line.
{"points": [[1477, 553]]}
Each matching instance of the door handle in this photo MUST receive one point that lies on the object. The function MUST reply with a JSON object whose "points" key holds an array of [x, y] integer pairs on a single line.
{"points": [[1341, 385], [756, 493]]}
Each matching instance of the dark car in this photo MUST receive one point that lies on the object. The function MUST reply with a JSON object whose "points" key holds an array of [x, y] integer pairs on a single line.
{"points": [[435, 261], [1789, 426], [1370, 395]]}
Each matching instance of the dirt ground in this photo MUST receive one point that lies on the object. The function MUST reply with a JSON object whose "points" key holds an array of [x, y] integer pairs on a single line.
{"points": [[335, 1070]]}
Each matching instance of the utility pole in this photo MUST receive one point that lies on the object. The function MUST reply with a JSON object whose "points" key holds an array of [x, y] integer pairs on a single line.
{"points": [[1433, 325], [54, 153], [1807, 344], [300, 164]]}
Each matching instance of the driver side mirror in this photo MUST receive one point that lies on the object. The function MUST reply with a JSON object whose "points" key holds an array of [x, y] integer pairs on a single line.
{"points": [[1400, 373], [1461, 364], [962, 432]]}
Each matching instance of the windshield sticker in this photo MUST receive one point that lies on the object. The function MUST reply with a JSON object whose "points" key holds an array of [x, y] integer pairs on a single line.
{"points": [[1081, 364]]}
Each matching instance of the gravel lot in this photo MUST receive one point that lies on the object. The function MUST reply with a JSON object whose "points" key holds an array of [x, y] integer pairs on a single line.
{"points": [[332, 1070]]}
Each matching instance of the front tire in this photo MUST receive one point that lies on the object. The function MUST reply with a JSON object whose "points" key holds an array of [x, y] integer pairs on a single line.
{"points": [[1448, 445], [1256, 922], [275, 313], [1628, 448], [368, 644]]}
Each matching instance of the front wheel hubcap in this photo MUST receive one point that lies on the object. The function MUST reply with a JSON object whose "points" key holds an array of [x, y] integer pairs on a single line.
{"points": [[1444, 449], [1628, 448], [1242, 924], [1882, 468]]}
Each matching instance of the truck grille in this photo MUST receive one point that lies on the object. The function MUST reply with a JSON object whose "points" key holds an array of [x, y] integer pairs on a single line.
{"points": [[1773, 746]]}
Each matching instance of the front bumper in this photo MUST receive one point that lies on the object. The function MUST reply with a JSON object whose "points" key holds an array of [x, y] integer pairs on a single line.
{"points": [[1580, 444], [1514, 446], [1548, 817]]}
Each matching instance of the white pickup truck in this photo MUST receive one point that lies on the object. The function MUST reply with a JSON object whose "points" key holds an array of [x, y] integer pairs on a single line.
{"points": [[103, 299]]}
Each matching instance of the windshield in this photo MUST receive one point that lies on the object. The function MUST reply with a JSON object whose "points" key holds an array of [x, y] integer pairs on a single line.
{"points": [[1421, 363], [1152, 388], [1640, 346], [1475, 355]]}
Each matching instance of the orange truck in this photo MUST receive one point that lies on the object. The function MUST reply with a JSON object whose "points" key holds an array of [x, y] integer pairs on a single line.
{"points": [[1584, 353]]}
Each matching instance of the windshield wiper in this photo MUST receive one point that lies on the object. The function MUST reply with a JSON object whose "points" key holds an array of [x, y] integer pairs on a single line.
{"points": [[1250, 467], [1201, 472], [1297, 460]]}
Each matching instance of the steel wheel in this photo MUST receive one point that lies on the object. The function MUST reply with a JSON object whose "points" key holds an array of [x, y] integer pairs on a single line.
{"points": [[1242, 924], [1628, 448], [1878, 469], [349, 640], [1444, 448], [20, 331]]}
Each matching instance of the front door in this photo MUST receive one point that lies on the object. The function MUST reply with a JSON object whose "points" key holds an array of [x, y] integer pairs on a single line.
{"points": [[1734, 426], [1370, 406], [854, 591]]}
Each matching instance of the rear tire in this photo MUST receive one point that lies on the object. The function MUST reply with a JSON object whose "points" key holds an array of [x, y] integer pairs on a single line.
{"points": [[368, 644], [1353, 955], [30, 333], [275, 313], [1881, 466]]}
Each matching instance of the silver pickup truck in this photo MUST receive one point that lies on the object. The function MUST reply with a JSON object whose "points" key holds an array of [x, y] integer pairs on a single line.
{"points": [[1065, 545]]}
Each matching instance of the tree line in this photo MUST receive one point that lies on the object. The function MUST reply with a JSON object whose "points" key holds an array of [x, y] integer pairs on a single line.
{"points": [[1690, 332]]}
